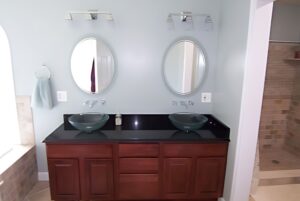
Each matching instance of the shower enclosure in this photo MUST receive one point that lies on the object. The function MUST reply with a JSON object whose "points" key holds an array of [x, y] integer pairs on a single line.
{"points": [[279, 134]]}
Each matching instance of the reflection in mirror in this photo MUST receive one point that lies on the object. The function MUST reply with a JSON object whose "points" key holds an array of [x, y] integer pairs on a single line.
{"points": [[92, 65], [184, 67]]}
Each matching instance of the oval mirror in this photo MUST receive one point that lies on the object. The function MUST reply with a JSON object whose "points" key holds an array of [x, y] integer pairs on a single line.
{"points": [[92, 65], [184, 67]]}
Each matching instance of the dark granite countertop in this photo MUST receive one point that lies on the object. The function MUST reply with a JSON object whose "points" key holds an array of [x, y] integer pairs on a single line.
{"points": [[151, 128]]}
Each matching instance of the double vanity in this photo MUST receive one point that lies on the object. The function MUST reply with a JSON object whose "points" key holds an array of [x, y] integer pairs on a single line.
{"points": [[139, 157], [145, 158]]}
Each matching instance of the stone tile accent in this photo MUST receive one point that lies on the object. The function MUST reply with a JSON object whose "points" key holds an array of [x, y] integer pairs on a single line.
{"points": [[279, 181], [20, 178], [292, 140], [278, 93], [25, 120]]}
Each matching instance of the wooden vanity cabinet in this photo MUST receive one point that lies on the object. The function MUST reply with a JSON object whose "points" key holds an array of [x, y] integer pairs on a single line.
{"points": [[80, 172], [194, 171], [137, 171]]}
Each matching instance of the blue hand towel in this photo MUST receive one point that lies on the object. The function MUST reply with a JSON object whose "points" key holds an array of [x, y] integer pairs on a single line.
{"points": [[42, 96]]}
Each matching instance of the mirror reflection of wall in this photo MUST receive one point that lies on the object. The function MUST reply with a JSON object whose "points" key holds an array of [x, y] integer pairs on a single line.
{"points": [[92, 65], [184, 67]]}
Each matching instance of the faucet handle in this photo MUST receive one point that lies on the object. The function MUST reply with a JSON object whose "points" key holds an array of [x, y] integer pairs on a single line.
{"points": [[102, 101], [86, 103], [191, 103]]}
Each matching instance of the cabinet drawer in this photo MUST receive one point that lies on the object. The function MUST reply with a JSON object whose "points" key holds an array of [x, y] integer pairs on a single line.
{"points": [[138, 150], [138, 165], [89, 150], [138, 186], [189, 150]]}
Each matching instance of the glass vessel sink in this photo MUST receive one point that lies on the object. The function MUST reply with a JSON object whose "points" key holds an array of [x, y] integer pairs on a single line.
{"points": [[88, 122], [188, 121]]}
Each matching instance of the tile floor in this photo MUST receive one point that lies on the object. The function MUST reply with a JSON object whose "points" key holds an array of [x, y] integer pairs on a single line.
{"points": [[40, 192], [278, 193], [278, 159], [277, 167], [279, 177]]}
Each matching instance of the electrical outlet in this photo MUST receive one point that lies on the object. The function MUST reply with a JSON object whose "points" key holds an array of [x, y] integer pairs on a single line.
{"points": [[206, 97], [62, 96]]}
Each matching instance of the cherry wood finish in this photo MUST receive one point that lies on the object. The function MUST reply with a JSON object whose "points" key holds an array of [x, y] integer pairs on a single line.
{"points": [[177, 178], [191, 150], [138, 186], [207, 164], [80, 172], [79, 150], [99, 179], [138, 165], [64, 182], [137, 171], [138, 150], [210, 174]]}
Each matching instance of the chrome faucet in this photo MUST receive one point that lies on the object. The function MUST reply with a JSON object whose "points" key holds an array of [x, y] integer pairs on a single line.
{"points": [[184, 103], [92, 103]]}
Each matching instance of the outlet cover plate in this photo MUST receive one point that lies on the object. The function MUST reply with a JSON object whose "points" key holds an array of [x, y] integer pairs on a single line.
{"points": [[62, 96], [206, 97]]}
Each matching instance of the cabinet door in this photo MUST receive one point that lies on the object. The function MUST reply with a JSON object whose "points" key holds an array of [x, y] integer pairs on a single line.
{"points": [[99, 178], [64, 179], [210, 174], [177, 177]]}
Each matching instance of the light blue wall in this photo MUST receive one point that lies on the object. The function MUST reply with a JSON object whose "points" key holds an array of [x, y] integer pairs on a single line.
{"points": [[139, 36], [235, 23]]}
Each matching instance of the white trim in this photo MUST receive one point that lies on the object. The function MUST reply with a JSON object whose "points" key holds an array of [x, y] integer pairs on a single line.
{"points": [[43, 176], [221, 199], [253, 86]]}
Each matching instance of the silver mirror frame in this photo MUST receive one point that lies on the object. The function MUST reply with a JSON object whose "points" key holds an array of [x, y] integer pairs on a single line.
{"points": [[203, 77], [114, 58]]}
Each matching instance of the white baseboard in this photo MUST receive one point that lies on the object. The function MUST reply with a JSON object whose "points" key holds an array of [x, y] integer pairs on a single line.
{"points": [[43, 176], [221, 199]]}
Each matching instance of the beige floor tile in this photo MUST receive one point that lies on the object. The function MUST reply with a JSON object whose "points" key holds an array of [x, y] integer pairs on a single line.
{"points": [[278, 193], [41, 185], [251, 198], [43, 195], [279, 174], [278, 159]]}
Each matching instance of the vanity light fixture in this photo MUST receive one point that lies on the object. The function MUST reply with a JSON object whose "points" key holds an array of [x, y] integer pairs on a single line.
{"points": [[188, 17], [185, 16], [89, 15]]}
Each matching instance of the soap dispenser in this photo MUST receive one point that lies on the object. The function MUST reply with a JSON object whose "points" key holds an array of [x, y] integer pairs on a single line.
{"points": [[118, 120]]}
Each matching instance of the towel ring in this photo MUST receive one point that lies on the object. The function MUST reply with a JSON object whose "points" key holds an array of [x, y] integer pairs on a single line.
{"points": [[43, 72]]}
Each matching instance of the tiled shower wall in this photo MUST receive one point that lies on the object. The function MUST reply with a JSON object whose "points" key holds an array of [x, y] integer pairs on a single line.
{"points": [[293, 135], [280, 78]]}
